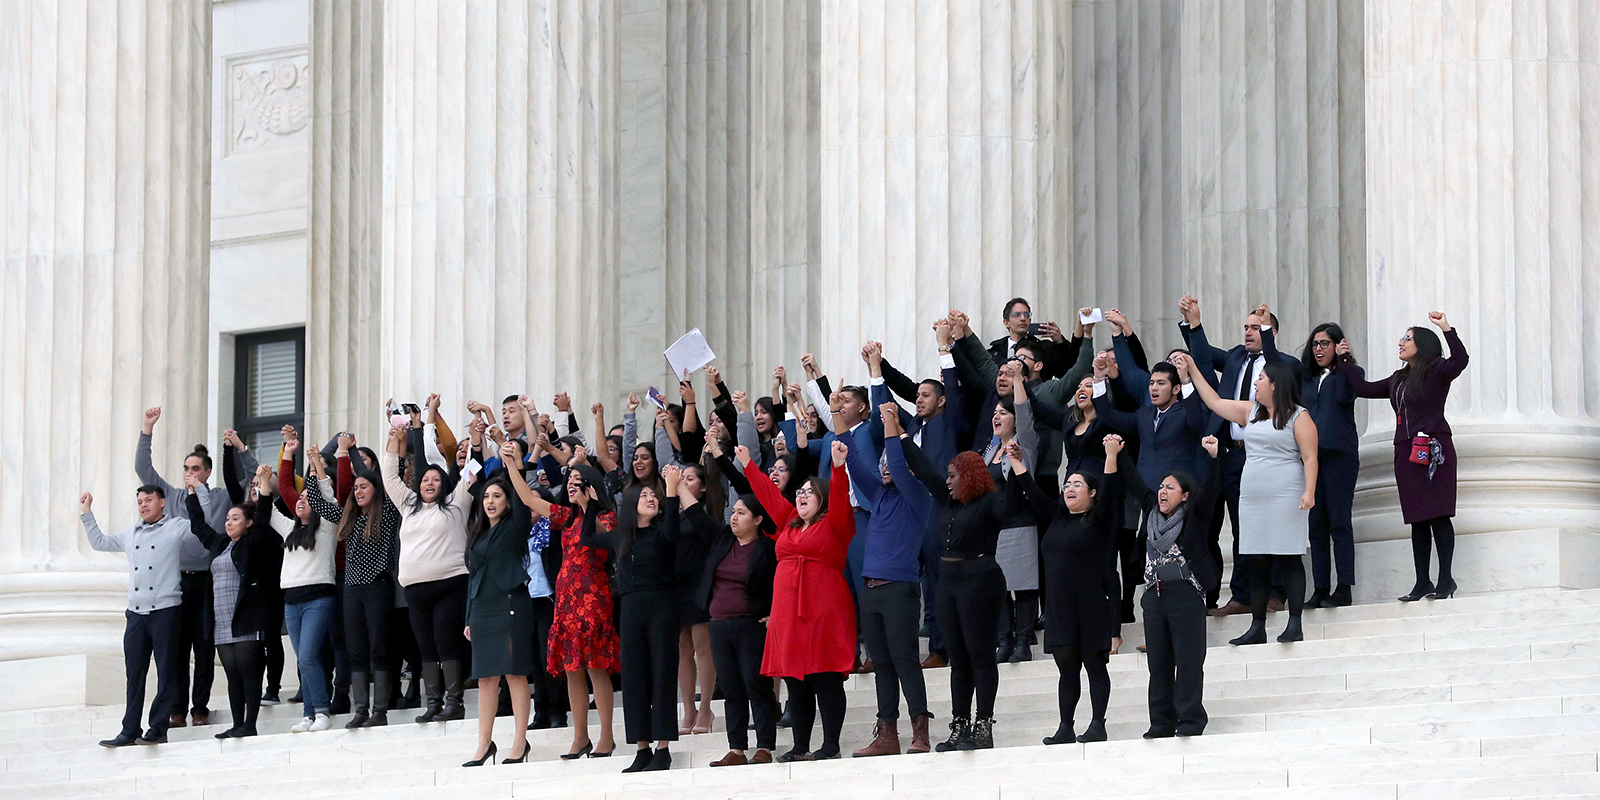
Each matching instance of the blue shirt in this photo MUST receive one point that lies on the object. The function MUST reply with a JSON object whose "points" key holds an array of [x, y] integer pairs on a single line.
{"points": [[900, 512]]}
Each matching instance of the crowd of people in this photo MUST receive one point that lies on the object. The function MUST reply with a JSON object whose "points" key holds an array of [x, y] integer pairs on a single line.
{"points": [[779, 543]]}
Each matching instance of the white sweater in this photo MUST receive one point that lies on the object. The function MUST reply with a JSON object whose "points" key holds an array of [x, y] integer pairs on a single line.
{"points": [[302, 567], [433, 541]]}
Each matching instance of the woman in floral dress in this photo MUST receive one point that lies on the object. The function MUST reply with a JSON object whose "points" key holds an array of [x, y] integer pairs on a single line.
{"points": [[583, 636]]}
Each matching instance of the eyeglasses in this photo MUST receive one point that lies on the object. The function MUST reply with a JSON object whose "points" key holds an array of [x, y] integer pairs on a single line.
{"points": [[1022, 315], [1321, 344], [1405, 338], [805, 491]]}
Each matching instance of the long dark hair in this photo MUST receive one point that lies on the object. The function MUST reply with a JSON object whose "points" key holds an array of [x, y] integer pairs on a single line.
{"points": [[1429, 351], [248, 509], [304, 535], [654, 481], [478, 522], [1308, 355], [374, 512], [1285, 394], [792, 463], [628, 519], [714, 497], [753, 505], [820, 487], [446, 486]]}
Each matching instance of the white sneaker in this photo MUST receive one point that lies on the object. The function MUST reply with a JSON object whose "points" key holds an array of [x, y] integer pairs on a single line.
{"points": [[321, 723], [302, 726]]}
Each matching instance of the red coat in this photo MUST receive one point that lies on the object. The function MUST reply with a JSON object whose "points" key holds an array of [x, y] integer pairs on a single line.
{"points": [[813, 624]]}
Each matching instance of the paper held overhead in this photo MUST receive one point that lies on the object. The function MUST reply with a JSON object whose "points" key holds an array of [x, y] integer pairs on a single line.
{"points": [[688, 354]]}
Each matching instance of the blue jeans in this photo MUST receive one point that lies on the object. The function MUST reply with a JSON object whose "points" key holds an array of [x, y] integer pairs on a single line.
{"points": [[308, 629]]}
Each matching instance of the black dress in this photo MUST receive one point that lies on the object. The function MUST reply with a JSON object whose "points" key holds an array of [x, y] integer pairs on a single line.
{"points": [[1075, 548], [499, 610], [694, 540]]}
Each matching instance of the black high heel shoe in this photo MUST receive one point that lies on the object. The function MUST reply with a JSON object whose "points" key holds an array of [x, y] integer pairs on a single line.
{"points": [[519, 759], [1421, 590], [1443, 591], [606, 754], [488, 755], [583, 751]]}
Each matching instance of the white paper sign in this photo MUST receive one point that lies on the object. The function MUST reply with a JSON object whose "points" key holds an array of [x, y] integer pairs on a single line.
{"points": [[1092, 317], [689, 353], [473, 468]]}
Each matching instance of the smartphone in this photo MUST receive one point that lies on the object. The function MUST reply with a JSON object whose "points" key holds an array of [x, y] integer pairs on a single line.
{"points": [[1036, 329], [411, 408]]}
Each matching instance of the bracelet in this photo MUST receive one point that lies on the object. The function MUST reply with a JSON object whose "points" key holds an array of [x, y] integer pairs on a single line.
{"points": [[688, 402], [944, 348]]}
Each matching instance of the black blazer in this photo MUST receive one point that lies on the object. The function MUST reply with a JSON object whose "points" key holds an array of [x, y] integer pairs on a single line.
{"points": [[1192, 541], [495, 558], [259, 559], [1333, 408], [1173, 447], [1230, 363], [757, 579], [1056, 358]]}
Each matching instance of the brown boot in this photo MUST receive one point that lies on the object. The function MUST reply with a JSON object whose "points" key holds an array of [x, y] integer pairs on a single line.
{"points": [[934, 661], [885, 740], [919, 734], [177, 721]]}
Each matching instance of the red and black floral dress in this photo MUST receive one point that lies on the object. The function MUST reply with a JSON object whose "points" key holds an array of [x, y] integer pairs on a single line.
{"points": [[583, 634]]}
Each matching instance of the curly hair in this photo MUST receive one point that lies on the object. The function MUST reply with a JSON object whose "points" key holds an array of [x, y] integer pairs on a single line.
{"points": [[975, 479]]}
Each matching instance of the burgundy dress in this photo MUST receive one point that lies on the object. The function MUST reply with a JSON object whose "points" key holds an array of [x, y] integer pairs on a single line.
{"points": [[1419, 412], [583, 634]]}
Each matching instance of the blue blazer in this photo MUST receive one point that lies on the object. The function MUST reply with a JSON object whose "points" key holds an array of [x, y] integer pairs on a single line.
{"points": [[1333, 408], [941, 435], [1173, 447]]}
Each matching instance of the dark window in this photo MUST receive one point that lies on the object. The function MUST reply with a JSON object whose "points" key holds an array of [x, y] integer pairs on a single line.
{"points": [[269, 388]]}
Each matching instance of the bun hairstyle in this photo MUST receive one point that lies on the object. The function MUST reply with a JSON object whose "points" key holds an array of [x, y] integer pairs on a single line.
{"points": [[201, 453]]}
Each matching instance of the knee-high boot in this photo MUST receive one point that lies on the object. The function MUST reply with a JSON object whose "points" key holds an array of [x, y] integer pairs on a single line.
{"points": [[453, 708], [382, 690], [359, 699], [433, 686]]}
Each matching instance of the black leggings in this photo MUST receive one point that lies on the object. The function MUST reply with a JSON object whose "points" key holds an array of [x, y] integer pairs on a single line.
{"points": [[242, 662], [819, 691], [971, 593], [1068, 661], [1293, 571], [1443, 534], [366, 623], [438, 612]]}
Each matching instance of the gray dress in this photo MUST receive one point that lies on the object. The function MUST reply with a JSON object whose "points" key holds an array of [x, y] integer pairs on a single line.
{"points": [[1270, 519]]}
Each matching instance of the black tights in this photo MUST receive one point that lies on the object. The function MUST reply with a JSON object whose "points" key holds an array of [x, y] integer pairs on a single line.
{"points": [[1068, 661], [1293, 571], [1443, 535], [819, 691], [242, 662]]}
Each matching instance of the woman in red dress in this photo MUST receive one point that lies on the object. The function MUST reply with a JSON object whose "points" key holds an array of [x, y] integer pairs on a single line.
{"points": [[583, 635], [811, 635]]}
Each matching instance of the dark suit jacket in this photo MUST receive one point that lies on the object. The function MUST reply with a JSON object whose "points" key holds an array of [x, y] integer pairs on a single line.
{"points": [[1202, 501], [1333, 407], [1173, 447], [757, 578], [257, 556], [1056, 357], [941, 434], [1230, 363], [494, 560]]}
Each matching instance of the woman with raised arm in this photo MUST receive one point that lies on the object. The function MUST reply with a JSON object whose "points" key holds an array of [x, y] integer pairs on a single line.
{"points": [[1017, 549], [736, 589], [499, 612], [433, 574], [1079, 538], [1331, 400], [811, 634], [309, 586], [583, 636], [1278, 488], [642, 545], [1424, 452], [245, 564], [368, 524]]}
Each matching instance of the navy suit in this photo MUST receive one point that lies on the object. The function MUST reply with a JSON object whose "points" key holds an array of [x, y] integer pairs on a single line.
{"points": [[1173, 446], [1232, 362], [1331, 402], [941, 433]]}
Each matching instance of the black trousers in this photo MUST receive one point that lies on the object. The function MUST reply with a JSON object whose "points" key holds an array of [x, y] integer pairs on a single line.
{"points": [[932, 547], [650, 674], [1130, 564], [1175, 636], [1330, 518], [889, 624], [153, 634], [737, 646], [970, 596], [819, 691], [438, 613], [366, 623], [549, 691], [194, 636], [272, 645], [242, 662]]}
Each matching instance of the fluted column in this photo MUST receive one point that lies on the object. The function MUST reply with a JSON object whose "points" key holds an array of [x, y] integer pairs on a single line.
{"points": [[1273, 165], [346, 222], [946, 173], [1127, 190], [500, 199], [785, 190], [108, 159], [1483, 148]]}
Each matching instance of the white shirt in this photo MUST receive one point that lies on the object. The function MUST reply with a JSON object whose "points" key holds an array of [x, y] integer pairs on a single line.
{"points": [[1246, 390]]}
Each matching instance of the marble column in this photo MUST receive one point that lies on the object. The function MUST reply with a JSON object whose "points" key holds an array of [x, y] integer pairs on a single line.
{"points": [[1127, 189], [500, 200], [1272, 126], [1483, 201], [107, 142], [785, 187], [708, 116], [346, 223], [946, 170]]}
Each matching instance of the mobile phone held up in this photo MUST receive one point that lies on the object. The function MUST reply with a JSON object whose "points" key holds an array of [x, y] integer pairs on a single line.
{"points": [[1036, 329]]}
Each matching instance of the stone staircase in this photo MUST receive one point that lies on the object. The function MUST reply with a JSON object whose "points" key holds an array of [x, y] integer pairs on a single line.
{"points": [[1494, 696]]}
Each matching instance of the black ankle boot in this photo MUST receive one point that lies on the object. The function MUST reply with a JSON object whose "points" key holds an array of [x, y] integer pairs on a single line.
{"points": [[641, 759], [1292, 632], [1419, 591], [1002, 653], [1096, 732], [1319, 598], [661, 760], [981, 735], [1257, 634], [960, 732], [1340, 597], [1063, 734]]}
